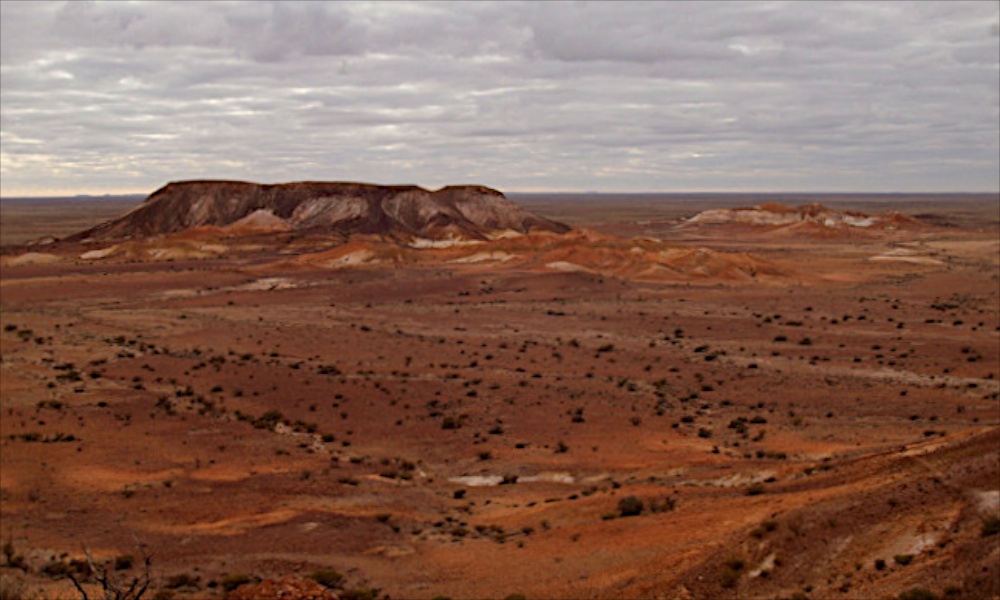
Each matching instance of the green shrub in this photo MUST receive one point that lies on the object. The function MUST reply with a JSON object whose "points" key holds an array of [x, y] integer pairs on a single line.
{"points": [[903, 559]]}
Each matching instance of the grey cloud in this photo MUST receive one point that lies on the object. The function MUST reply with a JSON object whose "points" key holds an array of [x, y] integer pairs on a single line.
{"points": [[638, 96]]}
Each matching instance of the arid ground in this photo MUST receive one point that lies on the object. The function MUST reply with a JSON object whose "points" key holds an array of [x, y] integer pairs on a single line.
{"points": [[479, 426]]}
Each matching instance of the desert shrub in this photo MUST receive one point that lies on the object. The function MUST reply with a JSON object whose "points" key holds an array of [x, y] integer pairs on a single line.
{"points": [[181, 581], [14, 589], [359, 594], [12, 558], [903, 559], [56, 569], [164, 595], [729, 578], [328, 578], [666, 504], [917, 593], [231, 582], [630, 506], [879, 564], [515, 597], [991, 526], [755, 489], [124, 562], [268, 420]]}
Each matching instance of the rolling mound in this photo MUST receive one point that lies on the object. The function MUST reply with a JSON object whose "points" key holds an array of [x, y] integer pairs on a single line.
{"points": [[808, 220], [398, 212], [578, 251]]}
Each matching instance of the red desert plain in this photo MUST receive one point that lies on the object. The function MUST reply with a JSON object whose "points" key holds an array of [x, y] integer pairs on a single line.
{"points": [[333, 390]]}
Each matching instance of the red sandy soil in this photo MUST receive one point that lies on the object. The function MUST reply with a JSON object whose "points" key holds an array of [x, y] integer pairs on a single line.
{"points": [[790, 430]]}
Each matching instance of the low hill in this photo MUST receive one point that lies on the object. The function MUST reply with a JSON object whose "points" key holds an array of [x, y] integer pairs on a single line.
{"points": [[808, 220]]}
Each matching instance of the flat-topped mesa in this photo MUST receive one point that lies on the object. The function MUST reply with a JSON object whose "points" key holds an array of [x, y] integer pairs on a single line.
{"points": [[403, 212]]}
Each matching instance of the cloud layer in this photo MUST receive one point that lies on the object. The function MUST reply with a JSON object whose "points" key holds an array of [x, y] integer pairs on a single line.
{"points": [[646, 96]]}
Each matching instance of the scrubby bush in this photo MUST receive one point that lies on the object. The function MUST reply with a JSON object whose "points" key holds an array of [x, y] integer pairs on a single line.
{"points": [[359, 594], [14, 589], [917, 593], [630, 506], [181, 581], [991, 526], [328, 578], [268, 420], [231, 582], [124, 562], [729, 578]]}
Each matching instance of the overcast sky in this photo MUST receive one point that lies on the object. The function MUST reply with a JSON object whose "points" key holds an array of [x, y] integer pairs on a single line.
{"points": [[674, 96]]}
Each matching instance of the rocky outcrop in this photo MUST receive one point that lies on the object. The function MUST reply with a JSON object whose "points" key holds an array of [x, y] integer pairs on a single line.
{"points": [[402, 212], [775, 214]]}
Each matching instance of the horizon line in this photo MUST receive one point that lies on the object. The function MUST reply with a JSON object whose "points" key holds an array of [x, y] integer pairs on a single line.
{"points": [[577, 193]]}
